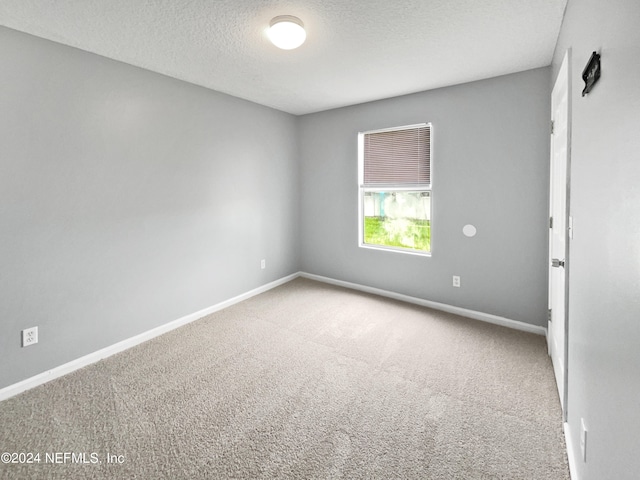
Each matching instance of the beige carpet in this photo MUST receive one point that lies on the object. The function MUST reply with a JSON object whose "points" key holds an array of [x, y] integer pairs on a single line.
{"points": [[306, 381]]}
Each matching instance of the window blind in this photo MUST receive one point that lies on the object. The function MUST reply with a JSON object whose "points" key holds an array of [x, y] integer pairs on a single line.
{"points": [[398, 157]]}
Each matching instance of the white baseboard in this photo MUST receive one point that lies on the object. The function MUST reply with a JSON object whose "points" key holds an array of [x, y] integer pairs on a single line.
{"points": [[98, 355], [485, 317], [573, 469], [81, 362]]}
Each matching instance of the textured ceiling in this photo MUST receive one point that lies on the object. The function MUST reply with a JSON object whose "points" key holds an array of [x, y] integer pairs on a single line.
{"points": [[356, 50]]}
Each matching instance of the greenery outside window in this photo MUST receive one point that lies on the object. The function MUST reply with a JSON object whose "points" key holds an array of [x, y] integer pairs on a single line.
{"points": [[395, 189]]}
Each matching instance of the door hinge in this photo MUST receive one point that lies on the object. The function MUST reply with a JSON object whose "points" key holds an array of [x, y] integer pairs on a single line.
{"points": [[550, 319], [550, 222], [552, 125], [570, 228]]}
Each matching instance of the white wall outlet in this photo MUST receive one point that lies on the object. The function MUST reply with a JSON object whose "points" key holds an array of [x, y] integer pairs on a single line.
{"points": [[583, 440], [29, 336], [263, 264], [456, 281]]}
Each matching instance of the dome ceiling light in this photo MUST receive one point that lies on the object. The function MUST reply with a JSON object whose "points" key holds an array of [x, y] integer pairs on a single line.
{"points": [[286, 32]]}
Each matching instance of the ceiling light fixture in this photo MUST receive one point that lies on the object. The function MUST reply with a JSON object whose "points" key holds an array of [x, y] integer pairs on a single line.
{"points": [[287, 32]]}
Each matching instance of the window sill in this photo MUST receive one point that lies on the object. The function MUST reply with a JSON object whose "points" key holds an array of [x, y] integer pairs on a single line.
{"points": [[405, 251]]}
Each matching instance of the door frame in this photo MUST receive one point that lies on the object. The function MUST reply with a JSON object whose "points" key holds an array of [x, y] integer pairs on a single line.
{"points": [[566, 63]]}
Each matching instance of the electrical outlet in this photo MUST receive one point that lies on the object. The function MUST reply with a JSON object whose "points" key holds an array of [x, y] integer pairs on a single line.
{"points": [[583, 440], [456, 281], [263, 264], [29, 336]]}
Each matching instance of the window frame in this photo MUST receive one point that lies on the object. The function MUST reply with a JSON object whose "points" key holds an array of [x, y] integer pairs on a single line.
{"points": [[362, 189]]}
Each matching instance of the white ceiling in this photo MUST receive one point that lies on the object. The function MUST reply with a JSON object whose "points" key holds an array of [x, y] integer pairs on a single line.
{"points": [[356, 50]]}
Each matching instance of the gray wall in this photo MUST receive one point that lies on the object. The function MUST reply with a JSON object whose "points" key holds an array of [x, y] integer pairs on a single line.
{"points": [[129, 199], [490, 169], [604, 301]]}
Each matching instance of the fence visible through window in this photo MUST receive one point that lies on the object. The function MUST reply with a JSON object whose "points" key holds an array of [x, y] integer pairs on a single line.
{"points": [[395, 188]]}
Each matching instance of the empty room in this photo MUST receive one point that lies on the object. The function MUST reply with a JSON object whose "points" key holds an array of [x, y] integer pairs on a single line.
{"points": [[311, 239]]}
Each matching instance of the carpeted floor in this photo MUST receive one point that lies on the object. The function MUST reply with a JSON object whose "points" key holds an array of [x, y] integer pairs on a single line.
{"points": [[306, 381]]}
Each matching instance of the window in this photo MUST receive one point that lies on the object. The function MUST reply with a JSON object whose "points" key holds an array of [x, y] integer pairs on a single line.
{"points": [[394, 167]]}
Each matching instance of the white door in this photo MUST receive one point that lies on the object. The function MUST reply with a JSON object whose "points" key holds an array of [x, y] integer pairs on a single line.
{"points": [[558, 232]]}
